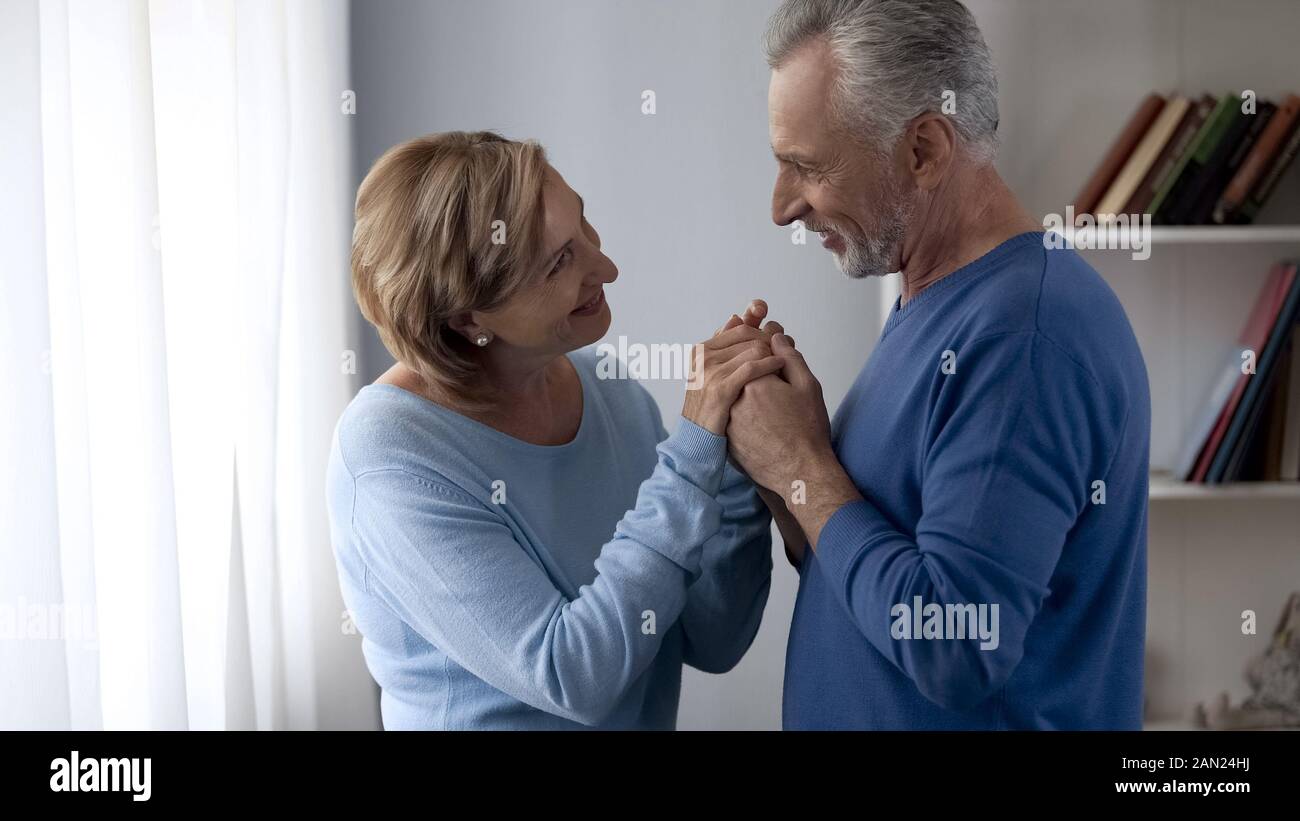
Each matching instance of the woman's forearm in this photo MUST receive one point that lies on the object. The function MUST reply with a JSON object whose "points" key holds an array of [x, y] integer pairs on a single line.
{"points": [[725, 606]]}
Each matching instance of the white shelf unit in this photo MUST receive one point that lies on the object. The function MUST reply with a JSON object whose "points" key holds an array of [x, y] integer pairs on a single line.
{"points": [[1213, 551], [1164, 488], [1287, 235]]}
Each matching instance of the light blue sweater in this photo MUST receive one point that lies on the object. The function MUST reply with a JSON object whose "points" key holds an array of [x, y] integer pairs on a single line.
{"points": [[503, 585]]}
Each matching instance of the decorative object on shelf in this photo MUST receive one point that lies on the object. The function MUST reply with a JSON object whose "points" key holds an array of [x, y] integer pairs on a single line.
{"points": [[1274, 678]]}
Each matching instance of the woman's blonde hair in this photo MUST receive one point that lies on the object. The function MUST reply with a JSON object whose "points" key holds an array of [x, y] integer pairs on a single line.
{"points": [[445, 224]]}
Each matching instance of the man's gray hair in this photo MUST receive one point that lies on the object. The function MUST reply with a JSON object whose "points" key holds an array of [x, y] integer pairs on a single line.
{"points": [[895, 60]]}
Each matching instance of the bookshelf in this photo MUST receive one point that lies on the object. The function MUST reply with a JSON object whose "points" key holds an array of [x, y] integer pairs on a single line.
{"points": [[1213, 550]]}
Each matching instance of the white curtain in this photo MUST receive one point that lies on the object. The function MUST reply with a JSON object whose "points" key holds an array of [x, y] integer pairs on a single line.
{"points": [[179, 345]]}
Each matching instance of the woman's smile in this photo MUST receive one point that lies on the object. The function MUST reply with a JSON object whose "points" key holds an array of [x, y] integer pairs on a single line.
{"points": [[591, 306]]}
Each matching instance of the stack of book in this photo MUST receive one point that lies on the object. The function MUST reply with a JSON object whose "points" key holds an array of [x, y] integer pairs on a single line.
{"points": [[1191, 161], [1249, 427]]}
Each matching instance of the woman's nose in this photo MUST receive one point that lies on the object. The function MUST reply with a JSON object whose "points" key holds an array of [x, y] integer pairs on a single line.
{"points": [[608, 270]]}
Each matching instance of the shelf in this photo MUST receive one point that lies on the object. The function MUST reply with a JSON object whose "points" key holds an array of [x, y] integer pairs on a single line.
{"points": [[1168, 724], [1185, 725], [1185, 235], [1165, 488]]}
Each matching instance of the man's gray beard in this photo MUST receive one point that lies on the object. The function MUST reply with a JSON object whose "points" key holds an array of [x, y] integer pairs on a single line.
{"points": [[874, 255]]}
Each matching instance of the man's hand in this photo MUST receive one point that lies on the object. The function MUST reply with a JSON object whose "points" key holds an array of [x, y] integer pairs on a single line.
{"points": [[755, 313], [791, 533], [753, 335], [720, 367], [779, 433], [778, 419]]}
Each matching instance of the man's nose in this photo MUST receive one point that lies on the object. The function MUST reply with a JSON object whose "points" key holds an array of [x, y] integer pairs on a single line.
{"points": [[787, 204]]}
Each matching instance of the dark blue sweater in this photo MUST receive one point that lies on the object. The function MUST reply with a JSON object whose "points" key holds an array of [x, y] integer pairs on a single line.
{"points": [[995, 575]]}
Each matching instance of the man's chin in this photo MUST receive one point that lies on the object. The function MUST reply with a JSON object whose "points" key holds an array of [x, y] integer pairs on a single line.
{"points": [[854, 270]]}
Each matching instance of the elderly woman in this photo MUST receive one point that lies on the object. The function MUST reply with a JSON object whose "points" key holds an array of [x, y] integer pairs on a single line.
{"points": [[520, 543]]}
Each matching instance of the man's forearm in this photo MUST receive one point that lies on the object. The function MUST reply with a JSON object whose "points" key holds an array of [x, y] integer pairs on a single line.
{"points": [[788, 526], [826, 488]]}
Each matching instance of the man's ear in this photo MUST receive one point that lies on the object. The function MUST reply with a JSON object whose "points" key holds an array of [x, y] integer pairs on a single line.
{"points": [[931, 143]]}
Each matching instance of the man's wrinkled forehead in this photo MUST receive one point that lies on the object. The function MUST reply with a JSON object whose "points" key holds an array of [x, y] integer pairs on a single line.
{"points": [[798, 99]]}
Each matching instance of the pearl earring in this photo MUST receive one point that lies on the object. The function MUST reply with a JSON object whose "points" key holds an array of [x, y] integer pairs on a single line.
{"points": [[482, 340]]}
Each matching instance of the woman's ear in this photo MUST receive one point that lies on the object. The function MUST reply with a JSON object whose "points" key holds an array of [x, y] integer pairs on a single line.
{"points": [[466, 324]]}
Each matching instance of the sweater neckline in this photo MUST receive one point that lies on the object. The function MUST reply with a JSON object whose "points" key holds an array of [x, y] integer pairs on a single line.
{"points": [[584, 424], [962, 275]]}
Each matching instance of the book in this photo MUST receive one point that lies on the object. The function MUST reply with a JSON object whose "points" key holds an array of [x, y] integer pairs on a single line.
{"points": [[1254, 336], [1275, 419], [1105, 173], [1254, 456], [1221, 119], [1179, 208], [1278, 331], [1143, 157], [1232, 152], [1277, 168], [1271, 141], [1169, 158], [1289, 471], [1211, 408]]}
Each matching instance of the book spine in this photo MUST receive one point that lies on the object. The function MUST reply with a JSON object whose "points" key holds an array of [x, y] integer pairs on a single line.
{"points": [[1274, 175], [1281, 325], [1176, 176], [1228, 162], [1104, 175], [1256, 164], [1142, 158], [1170, 157], [1290, 469]]}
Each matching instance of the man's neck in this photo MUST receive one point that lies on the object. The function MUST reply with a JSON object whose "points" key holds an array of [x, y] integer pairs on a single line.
{"points": [[970, 215]]}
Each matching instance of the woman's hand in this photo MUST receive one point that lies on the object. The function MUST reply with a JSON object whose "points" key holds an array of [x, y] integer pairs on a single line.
{"points": [[737, 354]]}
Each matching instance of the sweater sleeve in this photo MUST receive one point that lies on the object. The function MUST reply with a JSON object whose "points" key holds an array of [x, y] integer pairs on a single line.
{"points": [[725, 605], [1015, 439], [452, 569]]}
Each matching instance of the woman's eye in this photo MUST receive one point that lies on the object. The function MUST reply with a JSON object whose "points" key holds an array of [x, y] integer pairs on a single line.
{"points": [[559, 263]]}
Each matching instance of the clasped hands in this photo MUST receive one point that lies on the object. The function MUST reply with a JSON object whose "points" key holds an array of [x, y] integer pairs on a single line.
{"points": [[751, 384]]}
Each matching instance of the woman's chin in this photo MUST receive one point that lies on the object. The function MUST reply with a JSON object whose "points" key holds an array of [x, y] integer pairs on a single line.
{"points": [[588, 330]]}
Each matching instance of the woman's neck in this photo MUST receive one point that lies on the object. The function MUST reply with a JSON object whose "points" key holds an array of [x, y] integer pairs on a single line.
{"points": [[541, 405]]}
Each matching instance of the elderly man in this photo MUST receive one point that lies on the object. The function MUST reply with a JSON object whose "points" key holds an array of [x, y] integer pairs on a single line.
{"points": [[970, 531]]}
